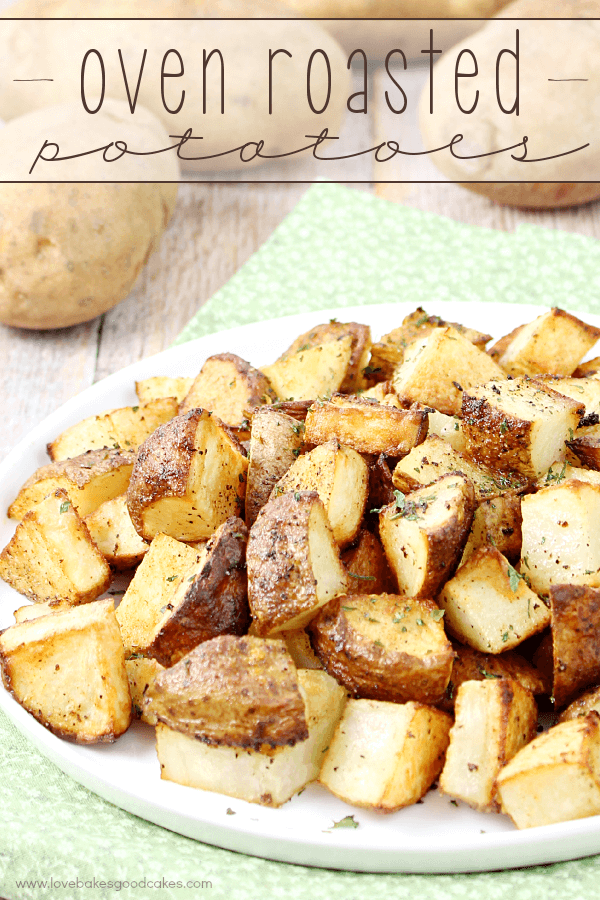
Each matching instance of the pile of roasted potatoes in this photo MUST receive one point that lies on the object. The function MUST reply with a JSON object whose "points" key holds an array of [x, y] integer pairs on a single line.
{"points": [[367, 564]]}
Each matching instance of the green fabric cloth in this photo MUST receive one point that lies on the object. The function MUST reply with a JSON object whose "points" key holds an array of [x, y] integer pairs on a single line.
{"points": [[339, 247]]}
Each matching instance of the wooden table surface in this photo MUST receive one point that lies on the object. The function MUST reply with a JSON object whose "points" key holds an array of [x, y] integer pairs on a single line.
{"points": [[216, 227]]}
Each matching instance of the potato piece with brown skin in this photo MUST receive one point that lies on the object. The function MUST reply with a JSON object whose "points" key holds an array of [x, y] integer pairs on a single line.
{"points": [[162, 386], [472, 665], [588, 369], [586, 447], [584, 391], [112, 531], [435, 457], [51, 555], [68, 671], [555, 778], [276, 441], [293, 563], [300, 649], [393, 771], [368, 569], [316, 372], [234, 692], [340, 477], [229, 387], [553, 344], [575, 613], [438, 367], [493, 720], [209, 600], [497, 522], [381, 486], [189, 477], [124, 428], [424, 533], [384, 647], [361, 346], [365, 426], [89, 480], [582, 705], [518, 425]]}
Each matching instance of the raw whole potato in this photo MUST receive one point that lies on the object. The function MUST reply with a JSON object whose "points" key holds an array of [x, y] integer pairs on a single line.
{"points": [[69, 252], [556, 117], [245, 48]]}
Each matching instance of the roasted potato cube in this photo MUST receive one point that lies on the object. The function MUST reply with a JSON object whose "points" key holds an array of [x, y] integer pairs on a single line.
{"points": [[384, 647], [553, 344], [315, 372], [497, 522], [269, 777], [471, 665], [89, 480], [300, 649], [51, 555], [162, 386], [276, 441], [437, 368], [398, 767], [68, 671], [35, 610], [340, 477], [518, 425], [424, 533], [381, 485], [367, 566], [332, 331], [232, 691], [556, 777], [493, 720], [293, 563], [582, 705], [141, 672], [229, 387], [447, 427], [144, 605], [587, 369], [189, 477], [586, 446], [567, 472], [112, 531], [365, 426], [382, 392], [124, 429], [584, 391], [561, 541], [387, 353], [211, 598], [489, 606], [435, 457], [575, 613]]}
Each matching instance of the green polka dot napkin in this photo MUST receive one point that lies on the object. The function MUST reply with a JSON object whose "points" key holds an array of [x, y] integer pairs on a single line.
{"points": [[338, 248]]}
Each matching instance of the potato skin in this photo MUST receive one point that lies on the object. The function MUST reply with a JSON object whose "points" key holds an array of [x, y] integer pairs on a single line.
{"points": [[276, 440], [576, 649]]}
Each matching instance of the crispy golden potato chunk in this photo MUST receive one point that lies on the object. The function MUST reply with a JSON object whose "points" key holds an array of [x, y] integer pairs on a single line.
{"points": [[293, 563], [365, 426], [575, 611], [210, 599], [51, 555], [586, 446], [494, 718], [124, 429], [438, 367], [567, 472], [276, 441], [35, 610], [435, 457], [89, 480], [582, 705], [234, 692], [317, 371], [489, 605], [553, 344], [269, 776], [424, 533], [561, 541], [584, 391], [112, 531], [144, 604], [497, 522], [68, 671], [384, 647], [518, 425], [340, 477], [189, 477], [229, 387], [556, 777], [360, 336], [160, 386], [140, 673], [368, 569], [397, 768], [587, 369]]}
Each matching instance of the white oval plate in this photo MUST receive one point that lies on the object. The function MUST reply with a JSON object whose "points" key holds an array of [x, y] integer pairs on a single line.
{"points": [[433, 836]]}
